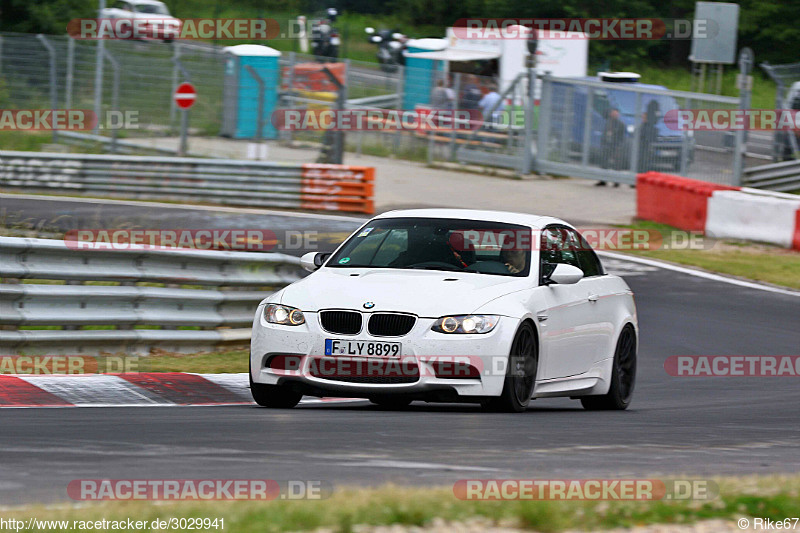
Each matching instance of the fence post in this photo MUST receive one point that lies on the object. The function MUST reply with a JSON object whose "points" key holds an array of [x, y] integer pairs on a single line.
{"points": [[114, 98], [637, 135], [176, 58], [527, 153], [98, 72], [457, 90], [545, 111], [183, 146], [745, 64], [290, 90], [587, 128], [53, 82], [261, 88], [70, 72]]}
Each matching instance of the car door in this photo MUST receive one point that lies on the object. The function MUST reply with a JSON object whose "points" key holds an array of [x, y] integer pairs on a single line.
{"points": [[568, 324], [601, 294]]}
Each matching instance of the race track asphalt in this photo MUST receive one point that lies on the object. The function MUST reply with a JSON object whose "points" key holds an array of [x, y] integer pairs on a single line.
{"points": [[677, 426]]}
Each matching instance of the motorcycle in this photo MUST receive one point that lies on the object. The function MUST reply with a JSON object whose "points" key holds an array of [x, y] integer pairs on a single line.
{"points": [[325, 40], [391, 45]]}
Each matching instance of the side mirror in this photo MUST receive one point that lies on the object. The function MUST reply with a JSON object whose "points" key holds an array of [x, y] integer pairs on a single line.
{"points": [[311, 261], [565, 275]]}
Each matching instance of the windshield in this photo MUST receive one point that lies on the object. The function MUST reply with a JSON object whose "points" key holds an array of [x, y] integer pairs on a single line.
{"points": [[625, 101], [439, 244], [152, 9]]}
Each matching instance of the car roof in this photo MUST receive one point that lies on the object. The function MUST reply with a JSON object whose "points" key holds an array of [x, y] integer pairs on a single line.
{"points": [[621, 85], [523, 219], [146, 2]]}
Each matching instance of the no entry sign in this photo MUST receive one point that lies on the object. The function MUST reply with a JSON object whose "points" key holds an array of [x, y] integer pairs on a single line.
{"points": [[185, 95]]}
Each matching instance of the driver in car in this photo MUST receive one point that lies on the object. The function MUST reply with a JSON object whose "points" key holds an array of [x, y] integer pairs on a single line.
{"points": [[513, 259]]}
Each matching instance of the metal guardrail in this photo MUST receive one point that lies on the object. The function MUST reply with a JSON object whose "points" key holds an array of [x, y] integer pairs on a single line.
{"points": [[219, 181], [118, 289], [781, 177]]}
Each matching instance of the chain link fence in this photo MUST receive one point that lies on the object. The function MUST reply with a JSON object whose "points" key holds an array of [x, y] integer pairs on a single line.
{"points": [[581, 127]]}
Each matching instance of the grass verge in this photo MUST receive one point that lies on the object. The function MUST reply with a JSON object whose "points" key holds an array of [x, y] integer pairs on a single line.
{"points": [[769, 497], [759, 262], [233, 361]]}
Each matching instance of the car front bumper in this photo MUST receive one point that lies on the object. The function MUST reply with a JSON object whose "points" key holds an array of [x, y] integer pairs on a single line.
{"points": [[439, 360]]}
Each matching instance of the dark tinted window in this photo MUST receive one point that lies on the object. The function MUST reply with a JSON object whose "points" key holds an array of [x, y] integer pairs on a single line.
{"points": [[590, 264], [557, 248]]}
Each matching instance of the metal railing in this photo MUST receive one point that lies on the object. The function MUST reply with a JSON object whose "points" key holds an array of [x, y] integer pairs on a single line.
{"points": [[219, 181], [132, 299], [781, 177]]}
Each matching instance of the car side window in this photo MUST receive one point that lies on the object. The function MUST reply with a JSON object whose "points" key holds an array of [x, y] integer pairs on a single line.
{"points": [[589, 262], [556, 248]]}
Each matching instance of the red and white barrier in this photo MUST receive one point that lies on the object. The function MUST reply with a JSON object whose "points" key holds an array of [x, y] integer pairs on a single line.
{"points": [[720, 211], [142, 389]]}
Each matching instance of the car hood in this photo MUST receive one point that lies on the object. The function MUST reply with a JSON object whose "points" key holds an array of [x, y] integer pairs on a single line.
{"points": [[424, 293]]}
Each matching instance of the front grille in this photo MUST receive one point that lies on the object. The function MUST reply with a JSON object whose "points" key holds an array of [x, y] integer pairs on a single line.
{"points": [[390, 324], [342, 322]]}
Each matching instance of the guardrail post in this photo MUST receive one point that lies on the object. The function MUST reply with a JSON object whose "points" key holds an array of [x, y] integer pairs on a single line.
{"points": [[53, 81]]}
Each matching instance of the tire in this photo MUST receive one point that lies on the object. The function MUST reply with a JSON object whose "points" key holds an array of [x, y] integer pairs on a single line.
{"points": [[523, 363], [390, 402], [275, 396], [623, 377]]}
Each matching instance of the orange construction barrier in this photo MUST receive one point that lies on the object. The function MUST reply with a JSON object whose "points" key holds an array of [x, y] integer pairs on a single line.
{"points": [[338, 188]]}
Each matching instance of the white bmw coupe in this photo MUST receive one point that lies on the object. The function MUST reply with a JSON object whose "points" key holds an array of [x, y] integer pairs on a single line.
{"points": [[450, 305]]}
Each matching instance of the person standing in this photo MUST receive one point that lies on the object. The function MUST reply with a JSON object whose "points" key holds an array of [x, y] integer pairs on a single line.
{"points": [[442, 97], [612, 144]]}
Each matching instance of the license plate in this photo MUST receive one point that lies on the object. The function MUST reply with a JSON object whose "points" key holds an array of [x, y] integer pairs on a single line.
{"points": [[335, 41], [668, 153], [385, 350]]}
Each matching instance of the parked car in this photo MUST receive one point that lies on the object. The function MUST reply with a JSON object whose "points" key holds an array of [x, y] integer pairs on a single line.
{"points": [[154, 12], [568, 118]]}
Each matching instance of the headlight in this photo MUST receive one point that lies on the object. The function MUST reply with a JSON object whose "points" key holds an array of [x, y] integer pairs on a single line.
{"points": [[466, 324], [283, 314]]}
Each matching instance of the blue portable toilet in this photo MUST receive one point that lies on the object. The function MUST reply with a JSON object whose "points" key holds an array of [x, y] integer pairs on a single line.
{"points": [[419, 72], [241, 91]]}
